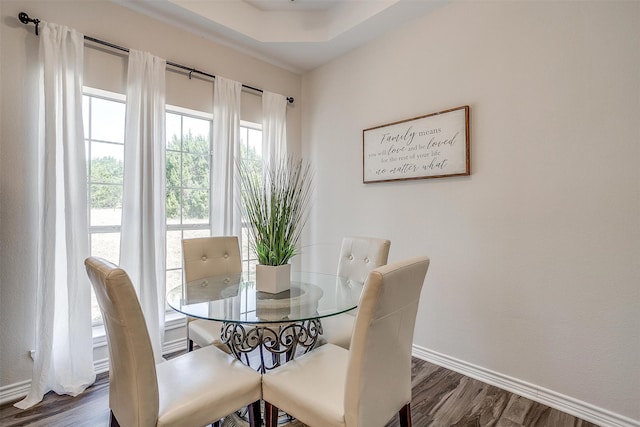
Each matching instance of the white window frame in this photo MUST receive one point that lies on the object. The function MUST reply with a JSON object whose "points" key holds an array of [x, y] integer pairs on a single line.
{"points": [[248, 258], [180, 227], [173, 319], [98, 328]]}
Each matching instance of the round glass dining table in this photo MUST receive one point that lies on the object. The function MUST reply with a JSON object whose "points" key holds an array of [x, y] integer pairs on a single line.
{"points": [[274, 327]]}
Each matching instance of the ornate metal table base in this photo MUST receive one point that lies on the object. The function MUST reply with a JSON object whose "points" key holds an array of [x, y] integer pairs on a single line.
{"points": [[271, 342], [274, 345], [236, 420]]}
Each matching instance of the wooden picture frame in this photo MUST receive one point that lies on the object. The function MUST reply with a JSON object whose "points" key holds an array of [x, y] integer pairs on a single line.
{"points": [[431, 146]]}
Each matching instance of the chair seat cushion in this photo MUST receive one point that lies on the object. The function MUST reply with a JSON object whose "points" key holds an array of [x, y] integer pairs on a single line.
{"points": [[189, 383], [338, 329], [205, 333], [318, 376]]}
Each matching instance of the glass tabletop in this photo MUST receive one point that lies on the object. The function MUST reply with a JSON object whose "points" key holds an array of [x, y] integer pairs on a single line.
{"points": [[235, 299]]}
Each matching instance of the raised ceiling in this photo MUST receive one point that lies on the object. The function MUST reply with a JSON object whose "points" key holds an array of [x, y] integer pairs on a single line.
{"points": [[298, 35]]}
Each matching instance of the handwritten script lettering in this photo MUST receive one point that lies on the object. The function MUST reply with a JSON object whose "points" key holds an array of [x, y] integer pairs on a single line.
{"points": [[407, 137], [434, 145]]}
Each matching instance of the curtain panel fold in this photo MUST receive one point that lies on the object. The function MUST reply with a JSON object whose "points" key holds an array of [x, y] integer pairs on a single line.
{"points": [[63, 360], [142, 241], [274, 128], [226, 219]]}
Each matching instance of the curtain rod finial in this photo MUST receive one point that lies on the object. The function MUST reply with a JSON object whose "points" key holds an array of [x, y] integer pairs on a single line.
{"points": [[24, 18]]}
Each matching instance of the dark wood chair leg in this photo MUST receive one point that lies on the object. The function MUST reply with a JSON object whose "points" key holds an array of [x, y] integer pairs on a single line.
{"points": [[270, 415], [112, 420], [405, 415], [189, 345], [255, 417]]}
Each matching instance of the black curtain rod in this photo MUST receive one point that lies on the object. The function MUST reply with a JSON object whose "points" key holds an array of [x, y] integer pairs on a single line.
{"points": [[25, 19]]}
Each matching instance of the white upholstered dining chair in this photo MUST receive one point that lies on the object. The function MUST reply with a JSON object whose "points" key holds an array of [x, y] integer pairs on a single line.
{"points": [[358, 257], [193, 389], [205, 257], [368, 384]]}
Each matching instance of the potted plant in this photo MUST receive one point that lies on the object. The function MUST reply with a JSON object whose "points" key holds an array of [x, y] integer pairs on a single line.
{"points": [[275, 206]]}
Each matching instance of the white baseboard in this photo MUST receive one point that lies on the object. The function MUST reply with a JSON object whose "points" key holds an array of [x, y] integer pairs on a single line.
{"points": [[175, 345], [578, 408], [15, 392]]}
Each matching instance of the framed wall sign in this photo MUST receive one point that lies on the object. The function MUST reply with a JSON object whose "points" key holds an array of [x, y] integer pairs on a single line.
{"points": [[431, 146]]}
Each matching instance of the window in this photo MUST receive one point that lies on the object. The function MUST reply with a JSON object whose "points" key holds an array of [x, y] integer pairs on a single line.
{"points": [[188, 160], [103, 117], [188, 181], [188, 175], [251, 154]]}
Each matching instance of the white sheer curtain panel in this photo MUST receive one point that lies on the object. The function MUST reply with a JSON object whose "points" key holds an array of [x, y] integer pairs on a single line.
{"points": [[274, 127], [142, 241], [225, 190], [63, 359]]}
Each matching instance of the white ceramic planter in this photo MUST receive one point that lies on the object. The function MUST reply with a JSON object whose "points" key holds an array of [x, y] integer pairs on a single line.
{"points": [[273, 278]]}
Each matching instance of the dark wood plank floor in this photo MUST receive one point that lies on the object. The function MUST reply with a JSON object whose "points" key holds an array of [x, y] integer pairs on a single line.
{"points": [[440, 398]]}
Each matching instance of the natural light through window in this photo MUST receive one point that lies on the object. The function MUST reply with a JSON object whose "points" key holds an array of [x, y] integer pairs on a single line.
{"points": [[188, 162], [103, 116], [251, 154], [188, 175]]}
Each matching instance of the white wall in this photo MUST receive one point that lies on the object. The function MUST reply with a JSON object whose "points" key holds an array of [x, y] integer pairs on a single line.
{"points": [[19, 48], [535, 268]]}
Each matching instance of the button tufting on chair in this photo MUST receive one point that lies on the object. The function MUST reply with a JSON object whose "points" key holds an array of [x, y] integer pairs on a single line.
{"points": [[222, 256], [369, 253], [368, 384]]}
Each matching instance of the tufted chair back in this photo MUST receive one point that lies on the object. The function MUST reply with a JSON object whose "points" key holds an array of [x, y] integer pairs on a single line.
{"points": [[360, 255], [133, 384], [379, 369], [208, 256]]}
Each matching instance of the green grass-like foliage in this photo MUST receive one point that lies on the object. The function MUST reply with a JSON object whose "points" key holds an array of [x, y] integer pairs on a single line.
{"points": [[275, 205]]}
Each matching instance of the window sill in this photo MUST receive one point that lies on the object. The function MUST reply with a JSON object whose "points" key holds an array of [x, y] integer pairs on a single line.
{"points": [[173, 320]]}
